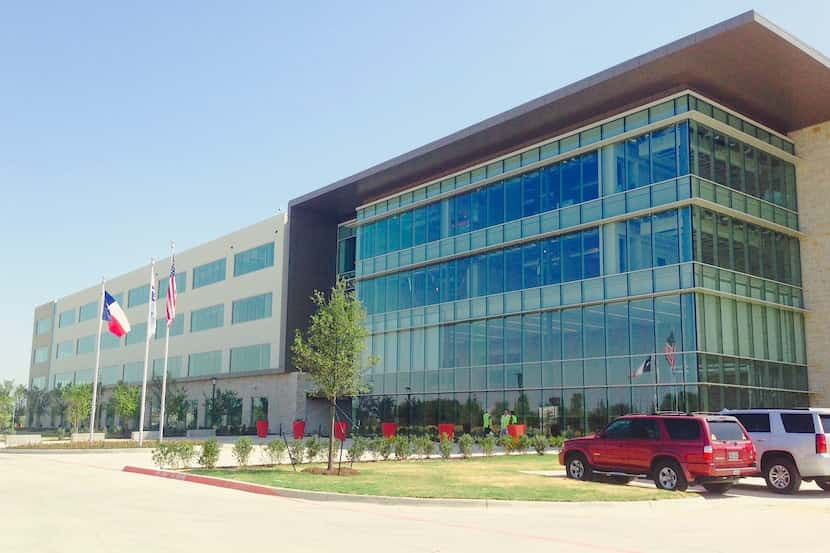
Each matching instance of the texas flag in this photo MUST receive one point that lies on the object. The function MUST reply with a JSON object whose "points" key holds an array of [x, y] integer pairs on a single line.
{"points": [[118, 323]]}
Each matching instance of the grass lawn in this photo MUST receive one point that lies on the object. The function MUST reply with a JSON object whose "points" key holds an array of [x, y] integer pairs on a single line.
{"points": [[479, 478]]}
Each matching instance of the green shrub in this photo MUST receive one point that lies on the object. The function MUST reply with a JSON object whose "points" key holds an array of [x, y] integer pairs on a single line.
{"points": [[373, 445], [164, 455], [402, 447], [60, 433], [424, 446], [465, 445], [274, 450], [506, 443], [210, 453], [184, 451], [539, 443], [488, 444], [445, 446], [359, 447], [242, 450], [313, 446], [522, 444], [296, 449], [385, 448], [557, 441]]}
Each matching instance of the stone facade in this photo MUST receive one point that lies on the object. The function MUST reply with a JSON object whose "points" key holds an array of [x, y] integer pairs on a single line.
{"points": [[813, 181]]}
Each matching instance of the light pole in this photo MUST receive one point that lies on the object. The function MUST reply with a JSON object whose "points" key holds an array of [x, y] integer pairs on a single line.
{"points": [[213, 403]]}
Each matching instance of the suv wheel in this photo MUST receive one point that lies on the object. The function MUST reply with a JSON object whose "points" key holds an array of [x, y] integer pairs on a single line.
{"points": [[718, 488], [668, 476], [782, 476], [824, 484], [578, 468]]}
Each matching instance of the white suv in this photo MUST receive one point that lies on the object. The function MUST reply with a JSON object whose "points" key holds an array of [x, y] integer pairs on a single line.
{"points": [[791, 445]]}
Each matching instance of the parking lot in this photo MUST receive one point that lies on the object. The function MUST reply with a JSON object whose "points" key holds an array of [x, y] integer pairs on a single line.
{"points": [[83, 502]]}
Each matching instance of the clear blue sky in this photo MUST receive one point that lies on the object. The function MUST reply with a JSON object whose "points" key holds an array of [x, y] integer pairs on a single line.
{"points": [[126, 125]]}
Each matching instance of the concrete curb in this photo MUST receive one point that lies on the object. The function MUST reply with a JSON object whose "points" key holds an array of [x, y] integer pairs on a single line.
{"points": [[208, 480], [355, 498]]}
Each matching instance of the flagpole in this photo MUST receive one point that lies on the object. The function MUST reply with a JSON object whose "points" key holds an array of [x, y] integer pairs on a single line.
{"points": [[149, 332], [97, 362], [166, 351]]}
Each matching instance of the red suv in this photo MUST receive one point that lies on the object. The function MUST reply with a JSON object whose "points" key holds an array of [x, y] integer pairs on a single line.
{"points": [[673, 450]]}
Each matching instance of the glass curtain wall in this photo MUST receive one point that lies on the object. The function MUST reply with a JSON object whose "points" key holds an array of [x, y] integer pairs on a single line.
{"points": [[621, 337]]}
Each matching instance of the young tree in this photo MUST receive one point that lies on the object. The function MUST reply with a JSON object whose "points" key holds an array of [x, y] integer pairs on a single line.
{"points": [[125, 401], [20, 396], [37, 402], [78, 401], [331, 348], [54, 399], [176, 404], [6, 405]]}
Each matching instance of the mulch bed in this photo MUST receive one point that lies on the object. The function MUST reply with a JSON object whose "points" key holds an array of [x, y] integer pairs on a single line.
{"points": [[344, 471]]}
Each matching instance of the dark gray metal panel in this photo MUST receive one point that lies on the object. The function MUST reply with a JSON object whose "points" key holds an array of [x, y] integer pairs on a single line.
{"points": [[312, 265], [746, 63]]}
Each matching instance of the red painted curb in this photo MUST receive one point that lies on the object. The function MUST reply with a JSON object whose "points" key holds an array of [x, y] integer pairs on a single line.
{"points": [[207, 480]]}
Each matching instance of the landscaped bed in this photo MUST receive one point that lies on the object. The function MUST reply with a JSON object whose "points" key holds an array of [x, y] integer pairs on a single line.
{"points": [[107, 444], [499, 477]]}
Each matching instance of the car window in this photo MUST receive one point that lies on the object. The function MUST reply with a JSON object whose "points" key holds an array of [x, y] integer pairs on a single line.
{"points": [[645, 429], [825, 422], [798, 423], [682, 429], [726, 431], [754, 422], [619, 430]]}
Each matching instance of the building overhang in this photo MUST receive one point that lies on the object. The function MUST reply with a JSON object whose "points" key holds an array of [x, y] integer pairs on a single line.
{"points": [[745, 63]]}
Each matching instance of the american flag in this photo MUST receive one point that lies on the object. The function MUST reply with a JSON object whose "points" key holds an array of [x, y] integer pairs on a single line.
{"points": [[171, 293], [669, 350]]}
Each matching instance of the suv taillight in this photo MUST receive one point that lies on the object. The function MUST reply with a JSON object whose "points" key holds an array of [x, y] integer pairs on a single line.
{"points": [[707, 453], [821, 443]]}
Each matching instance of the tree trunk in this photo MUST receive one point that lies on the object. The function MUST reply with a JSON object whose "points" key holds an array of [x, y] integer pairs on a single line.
{"points": [[332, 409]]}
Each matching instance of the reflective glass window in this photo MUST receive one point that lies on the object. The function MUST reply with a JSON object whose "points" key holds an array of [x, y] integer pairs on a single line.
{"points": [[637, 161], [138, 296], [495, 204], [207, 318], [43, 326], [590, 253], [252, 260], [530, 193], [663, 154], [66, 318], [88, 311], [550, 187], [513, 268], [571, 182], [571, 257], [590, 176], [250, 358], [205, 363], [551, 261], [138, 335], [209, 273], [176, 329], [134, 372], [513, 199], [86, 344]]}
